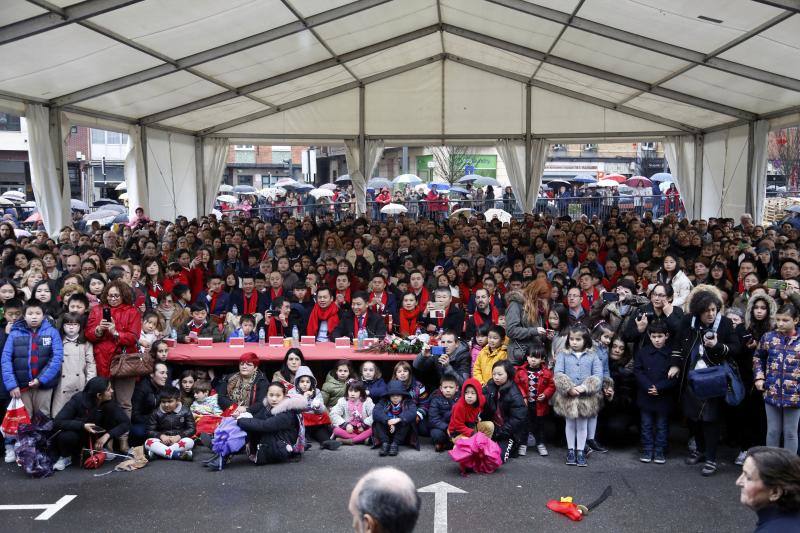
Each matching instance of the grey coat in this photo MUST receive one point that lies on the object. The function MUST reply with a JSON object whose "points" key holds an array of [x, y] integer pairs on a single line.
{"points": [[521, 334]]}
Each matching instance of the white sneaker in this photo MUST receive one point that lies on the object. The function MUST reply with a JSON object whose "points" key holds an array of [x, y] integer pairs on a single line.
{"points": [[10, 455], [523, 450], [542, 449], [740, 458], [62, 463]]}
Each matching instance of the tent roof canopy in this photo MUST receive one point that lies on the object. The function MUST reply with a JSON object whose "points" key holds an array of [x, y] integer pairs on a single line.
{"points": [[456, 70]]}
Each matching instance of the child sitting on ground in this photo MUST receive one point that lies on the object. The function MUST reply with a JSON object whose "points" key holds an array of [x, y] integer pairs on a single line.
{"points": [[316, 421], [186, 385], [246, 330], [373, 380], [439, 412], [465, 418], [335, 382], [535, 382], [170, 428], [352, 415], [393, 419], [205, 409]]}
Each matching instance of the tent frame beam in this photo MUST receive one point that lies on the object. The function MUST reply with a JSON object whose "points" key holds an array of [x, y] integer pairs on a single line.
{"points": [[653, 45], [57, 17], [789, 5], [217, 52]]}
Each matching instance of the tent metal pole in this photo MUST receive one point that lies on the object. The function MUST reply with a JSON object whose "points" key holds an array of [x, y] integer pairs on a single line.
{"points": [[749, 204], [143, 141], [528, 139], [198, 176], [362, 137], [699, 141], [58, 147]]}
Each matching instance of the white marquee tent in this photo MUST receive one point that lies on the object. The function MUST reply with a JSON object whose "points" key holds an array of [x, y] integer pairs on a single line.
{"points": [[184, 78]]}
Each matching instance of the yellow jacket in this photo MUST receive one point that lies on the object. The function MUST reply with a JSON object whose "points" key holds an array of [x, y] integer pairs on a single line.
{"points": [[482, 370]]}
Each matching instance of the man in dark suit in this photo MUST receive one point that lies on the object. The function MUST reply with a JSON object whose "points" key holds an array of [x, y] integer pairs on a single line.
{"points": [[353, 320], [247, 301], [442, 313]]}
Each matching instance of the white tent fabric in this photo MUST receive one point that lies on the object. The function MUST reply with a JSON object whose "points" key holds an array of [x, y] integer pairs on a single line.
{"points": [[135, 173], [50, 190], [215, 152], [680, 153], [373, 149], [433, 71], [526, 191], [725, 173], [171, 174], [758, 173]]}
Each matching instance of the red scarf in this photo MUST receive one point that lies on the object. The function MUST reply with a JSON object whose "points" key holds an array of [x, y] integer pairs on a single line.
{"points": [[330, 313], [384, 300], [346, 294], [585, 299], [213, 304], [272, 330], [422, 299], [408, 321], [273, 294], [478, 319], [250, 303]]}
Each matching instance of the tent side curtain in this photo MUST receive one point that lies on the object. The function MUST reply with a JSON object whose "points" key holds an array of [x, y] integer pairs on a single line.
{"points": [[171, 175], [680, 155], [758, 177], [50, 188], [135, 173], [525, 189], [724, 178], [373, 149], [215, 153]]}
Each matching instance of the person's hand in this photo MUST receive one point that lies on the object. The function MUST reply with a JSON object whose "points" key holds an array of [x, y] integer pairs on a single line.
{"points": [[99, 443], [165, 439], [393, 421], [608, 392], [759, 383], [239, 410], [112, 328], [15, 393], [90, 428], [673, 372], [444, 360], [789, 289], [144, 343], [34, 383], [8, 327], [752, 344], [541, 331], [431, 328], [541, 398], [308, 393], [652, 391], [574, 391], [428, 307], [710, 343], [668, 308], [103, 325], [340, 298], [349, 428], [391, 428], [641, 323]]}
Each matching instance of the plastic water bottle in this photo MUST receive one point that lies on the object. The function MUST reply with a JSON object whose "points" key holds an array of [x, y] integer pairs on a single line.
{"points": [[261, 336], [173, 334], [235, 310], [362, 336], [295, 337]]}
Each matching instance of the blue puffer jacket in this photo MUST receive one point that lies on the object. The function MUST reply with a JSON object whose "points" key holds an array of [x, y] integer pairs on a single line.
{"points": [[18, 366]]}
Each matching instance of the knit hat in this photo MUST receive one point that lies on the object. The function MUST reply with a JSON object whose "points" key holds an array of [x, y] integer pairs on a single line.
{"points": [[396, 387], [249, 357]]}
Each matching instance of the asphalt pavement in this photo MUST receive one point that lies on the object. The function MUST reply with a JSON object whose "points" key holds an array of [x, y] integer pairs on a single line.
{"points": [[312, 495]]}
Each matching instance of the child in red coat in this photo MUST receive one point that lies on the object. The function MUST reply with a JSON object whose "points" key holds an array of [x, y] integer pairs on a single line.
{"points": [[535, 381], [465, 417]]}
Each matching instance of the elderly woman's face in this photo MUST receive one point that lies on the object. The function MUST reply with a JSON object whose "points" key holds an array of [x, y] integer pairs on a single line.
{"points": [[754, 494]]}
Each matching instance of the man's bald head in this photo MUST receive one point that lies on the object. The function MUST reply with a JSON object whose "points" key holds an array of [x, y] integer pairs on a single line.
{"points": [[384, 500]]}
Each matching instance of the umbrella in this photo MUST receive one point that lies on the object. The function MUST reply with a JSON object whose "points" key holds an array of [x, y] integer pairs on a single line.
{"points": [[558, 182], [484, 181], [100, 215], [121, 187], [584, 178], [28, 205], [608, 183], [227, 198], [36, 217], [123, 196], [78, 205], [793, 209], [300, 186], [329, 186], [638, 181], [283, 182], [439, 187], [115, 208], [343, 178], [244, 189], [217, 213], [661, 176], [319, 193], [380, 183], [122, 218], [469, 178], [228, 438], [619, 178], [393, 209], [422, 187], [14, 195], [466, 211], [477, 453], [273, 192], [5, 201], [502, 216], [225, 188], [664, 185], [459, 190], [21, 233], [409, 179], [104, 201]]}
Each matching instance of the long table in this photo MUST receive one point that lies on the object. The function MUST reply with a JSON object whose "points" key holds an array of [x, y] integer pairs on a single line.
{"points": [[223, 354]]}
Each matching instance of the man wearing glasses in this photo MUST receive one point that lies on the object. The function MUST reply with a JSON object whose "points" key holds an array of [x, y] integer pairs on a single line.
{"points": [[659, 309]]}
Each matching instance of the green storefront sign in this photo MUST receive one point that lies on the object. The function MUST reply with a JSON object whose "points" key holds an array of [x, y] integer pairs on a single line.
{"points": [[485, 165]]}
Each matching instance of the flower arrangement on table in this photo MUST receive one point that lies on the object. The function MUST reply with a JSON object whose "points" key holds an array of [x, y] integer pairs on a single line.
{"points": [[396, 344]]}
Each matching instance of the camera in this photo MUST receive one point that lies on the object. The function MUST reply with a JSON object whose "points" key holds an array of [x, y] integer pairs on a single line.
{"points": [[437, 350], [709, 335]]}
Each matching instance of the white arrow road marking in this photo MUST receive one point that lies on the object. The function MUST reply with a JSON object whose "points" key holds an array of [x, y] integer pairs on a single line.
{"points": [[50, 509], [440, 491]]}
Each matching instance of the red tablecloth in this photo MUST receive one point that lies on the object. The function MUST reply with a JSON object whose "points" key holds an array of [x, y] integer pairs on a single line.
{"points": [[223, 354]]}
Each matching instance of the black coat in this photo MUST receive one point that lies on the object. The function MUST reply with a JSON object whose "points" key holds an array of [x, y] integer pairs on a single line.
{"points": [[81, 409], [460, 364], [177, 423], [512, 406], [257, 393], [440, 410], [376, 327], [270, 434], [631, 334], [144, 401], [650, 366], [453, 321]]}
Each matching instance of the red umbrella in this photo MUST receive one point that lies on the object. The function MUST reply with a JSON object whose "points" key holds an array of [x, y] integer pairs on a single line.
{"points": [[36, 217], [619, 178], [639, 181]]}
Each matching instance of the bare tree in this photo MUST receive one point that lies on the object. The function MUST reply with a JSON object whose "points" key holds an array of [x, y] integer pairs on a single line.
{"points": [[449, 161], [784, 152]]}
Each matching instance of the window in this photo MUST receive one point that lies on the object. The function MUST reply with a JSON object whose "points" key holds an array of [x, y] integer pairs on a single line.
{"points": [[279, 157], [245, 179], [590, 147], [559, 147], [244, 147], [73, 129], [9, 122], [108, 137], [244, 156], [98, 137], [648, 146]]}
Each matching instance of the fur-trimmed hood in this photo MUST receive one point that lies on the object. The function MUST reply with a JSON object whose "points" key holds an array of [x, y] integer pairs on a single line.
{"points": [[515, 296], [698, 289], [289, 403], [772, 308]]}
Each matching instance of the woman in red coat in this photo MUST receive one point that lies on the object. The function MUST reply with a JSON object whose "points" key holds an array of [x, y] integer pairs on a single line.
{"points": [[109, 338], [201, 268]]}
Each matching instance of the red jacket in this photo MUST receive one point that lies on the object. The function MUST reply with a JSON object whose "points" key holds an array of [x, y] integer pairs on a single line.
{"points": [[463, 417], [197, 278], [545, 386], [128, 322]]}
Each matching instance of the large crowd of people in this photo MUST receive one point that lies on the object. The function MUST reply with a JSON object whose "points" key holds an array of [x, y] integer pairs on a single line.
{"points": [[598, 332]]}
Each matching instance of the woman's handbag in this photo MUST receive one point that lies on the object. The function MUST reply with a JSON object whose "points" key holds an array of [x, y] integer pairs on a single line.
{"points": [[719, 381], [131, 365], [95, 459]]}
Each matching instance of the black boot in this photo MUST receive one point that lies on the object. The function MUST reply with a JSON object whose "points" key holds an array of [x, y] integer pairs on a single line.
{"points": [[211, 459], [384, 449], [393, 449]]}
